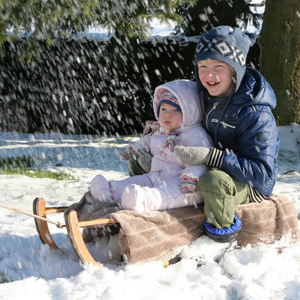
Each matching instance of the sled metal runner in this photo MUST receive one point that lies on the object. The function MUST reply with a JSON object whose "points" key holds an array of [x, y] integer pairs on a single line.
{"points": [[73, 226]]}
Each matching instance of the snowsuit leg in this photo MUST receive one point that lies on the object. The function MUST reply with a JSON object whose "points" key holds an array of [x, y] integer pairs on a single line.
{"points": [[103, 190], [221, 193], [165, 195], [118, 186], [100, 189]]}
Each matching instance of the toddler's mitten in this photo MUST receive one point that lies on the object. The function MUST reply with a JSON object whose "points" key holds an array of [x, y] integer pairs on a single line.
{"points": [[128, 154], [188, 185]]}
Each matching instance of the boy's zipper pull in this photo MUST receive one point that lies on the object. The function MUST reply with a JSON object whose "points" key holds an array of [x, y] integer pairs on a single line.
{"points": [[215, 105]]}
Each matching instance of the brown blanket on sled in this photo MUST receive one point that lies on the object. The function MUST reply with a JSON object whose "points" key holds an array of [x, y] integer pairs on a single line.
{"points": [[158, 235]]}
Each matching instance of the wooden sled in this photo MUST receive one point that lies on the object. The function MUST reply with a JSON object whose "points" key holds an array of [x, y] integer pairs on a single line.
{"points": [[73, 226], [154, 236]]}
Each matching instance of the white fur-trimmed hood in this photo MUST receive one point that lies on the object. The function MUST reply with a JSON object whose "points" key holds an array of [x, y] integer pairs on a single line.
{"points": [[187, 94]]}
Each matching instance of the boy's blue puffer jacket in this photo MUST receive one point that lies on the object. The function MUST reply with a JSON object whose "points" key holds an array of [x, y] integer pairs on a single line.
{"points": [[245, 127]]}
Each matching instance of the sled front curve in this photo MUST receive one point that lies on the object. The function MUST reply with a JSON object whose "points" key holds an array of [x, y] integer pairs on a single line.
{"points": [[40, 209], [73, 226], [75, 236]]}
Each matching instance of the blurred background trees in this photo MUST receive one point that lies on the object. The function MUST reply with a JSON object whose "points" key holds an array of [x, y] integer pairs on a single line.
{"points": [[53, 78]]}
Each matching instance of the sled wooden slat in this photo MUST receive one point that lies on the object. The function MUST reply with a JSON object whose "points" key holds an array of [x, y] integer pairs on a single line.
{"points": [[76, 239], [55, 210], [97, 222]]}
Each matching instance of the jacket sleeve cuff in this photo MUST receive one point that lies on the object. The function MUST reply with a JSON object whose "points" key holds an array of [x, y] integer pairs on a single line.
{"points": [[215, 158]]}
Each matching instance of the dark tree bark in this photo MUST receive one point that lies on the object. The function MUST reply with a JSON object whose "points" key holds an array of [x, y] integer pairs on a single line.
{"points": [[280, 57]]}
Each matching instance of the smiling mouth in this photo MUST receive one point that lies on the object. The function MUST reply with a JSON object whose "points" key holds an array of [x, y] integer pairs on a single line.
{"points": [[212, 83]]}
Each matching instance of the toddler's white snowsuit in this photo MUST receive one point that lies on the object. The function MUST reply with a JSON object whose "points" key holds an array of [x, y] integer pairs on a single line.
{"points": [[160, 188]]}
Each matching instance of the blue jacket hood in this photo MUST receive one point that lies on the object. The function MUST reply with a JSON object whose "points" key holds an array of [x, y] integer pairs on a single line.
{"points": [[254, 90]]}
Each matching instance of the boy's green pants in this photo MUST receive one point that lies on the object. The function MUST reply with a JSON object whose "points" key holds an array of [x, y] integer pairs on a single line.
{"points": [[134, 168], [220, 193]]}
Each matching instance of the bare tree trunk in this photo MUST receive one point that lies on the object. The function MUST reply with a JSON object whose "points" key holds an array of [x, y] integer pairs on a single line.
{"points": [[280, 56]]}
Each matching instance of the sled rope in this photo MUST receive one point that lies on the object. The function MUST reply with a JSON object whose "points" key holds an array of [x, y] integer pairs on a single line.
{"points": [[58, 224]]}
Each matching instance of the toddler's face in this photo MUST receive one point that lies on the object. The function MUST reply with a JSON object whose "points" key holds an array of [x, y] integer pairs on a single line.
{"points": [[217, 77], [170, 118]]}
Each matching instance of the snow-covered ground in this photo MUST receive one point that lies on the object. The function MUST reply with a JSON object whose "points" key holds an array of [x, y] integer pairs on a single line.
{"points": [[32, 270]]}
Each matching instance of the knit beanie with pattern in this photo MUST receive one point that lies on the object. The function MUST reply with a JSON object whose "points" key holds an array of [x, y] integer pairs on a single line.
{"points": [[170, 99], [227, 44]]}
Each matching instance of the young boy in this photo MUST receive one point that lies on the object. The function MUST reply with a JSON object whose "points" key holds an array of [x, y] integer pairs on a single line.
{"points": [[170, 183], [237, 103]]}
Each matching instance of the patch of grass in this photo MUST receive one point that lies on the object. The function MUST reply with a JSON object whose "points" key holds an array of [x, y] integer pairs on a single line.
{"points": [[23, 166], [288, 156], [37, 174], [17, 162], [3, 278]]}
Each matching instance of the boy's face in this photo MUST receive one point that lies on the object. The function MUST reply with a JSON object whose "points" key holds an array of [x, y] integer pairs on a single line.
{"points": [[170, 118], [217, 77]]}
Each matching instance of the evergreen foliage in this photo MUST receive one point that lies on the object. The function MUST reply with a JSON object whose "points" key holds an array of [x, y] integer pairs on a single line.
{"points": [[82, 86], [49, 20]]}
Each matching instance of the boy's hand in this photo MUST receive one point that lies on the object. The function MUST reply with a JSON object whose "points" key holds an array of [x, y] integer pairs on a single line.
{"points": [[193, 156]]}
